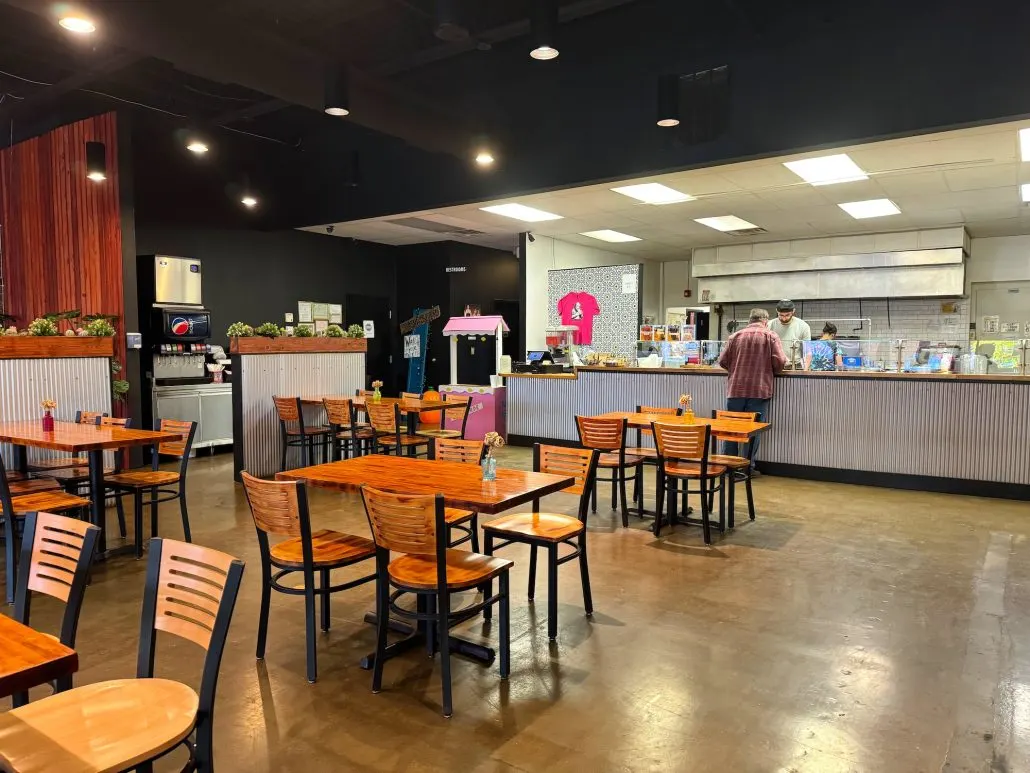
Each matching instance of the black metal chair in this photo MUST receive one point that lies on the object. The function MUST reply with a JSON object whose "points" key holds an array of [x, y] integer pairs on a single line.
{"points": [[56, 555], [280, 508], [296, 434], [609, 437], [682, 457], [458, 519], [347, 435], [190, 592], [551, 530], [390, 433], [739, 466], [459, 410], [137, 482]]}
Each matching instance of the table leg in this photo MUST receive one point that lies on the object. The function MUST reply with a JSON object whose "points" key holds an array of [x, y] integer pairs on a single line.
{"points": [[415, 637], [96, 495], [21, 459]]}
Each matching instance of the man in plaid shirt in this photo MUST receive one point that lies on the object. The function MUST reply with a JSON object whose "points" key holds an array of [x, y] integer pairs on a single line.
{"points": [[752, 356]]}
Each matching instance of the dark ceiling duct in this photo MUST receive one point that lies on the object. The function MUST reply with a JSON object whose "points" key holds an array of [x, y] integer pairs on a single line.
{"points": [[448, 22]]}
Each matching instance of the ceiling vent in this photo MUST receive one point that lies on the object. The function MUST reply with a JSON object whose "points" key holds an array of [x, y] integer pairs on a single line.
{"points": [[422, 224], [748, 231]]}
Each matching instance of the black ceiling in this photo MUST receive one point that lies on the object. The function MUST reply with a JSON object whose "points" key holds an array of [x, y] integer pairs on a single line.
{"points": [[803, 73]]}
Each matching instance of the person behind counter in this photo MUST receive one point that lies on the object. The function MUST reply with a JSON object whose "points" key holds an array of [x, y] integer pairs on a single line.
{"points": [[752, 357], [793, 331], [826, 353]]}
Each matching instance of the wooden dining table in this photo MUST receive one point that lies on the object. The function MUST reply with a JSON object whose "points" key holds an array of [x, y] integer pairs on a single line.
{"points": [[75, 438], [29, 658], [461, 485]]}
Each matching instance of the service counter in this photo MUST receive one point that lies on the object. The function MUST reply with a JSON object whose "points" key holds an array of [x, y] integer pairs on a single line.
{"points": [[966, 434], [267, 367]]}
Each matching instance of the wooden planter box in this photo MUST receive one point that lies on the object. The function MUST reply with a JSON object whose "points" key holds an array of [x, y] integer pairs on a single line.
{"points": [[261, 345], [35, 347]]}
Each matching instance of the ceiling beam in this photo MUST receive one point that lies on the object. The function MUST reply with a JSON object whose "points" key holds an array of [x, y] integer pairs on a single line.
{"points": [[219, 50]]}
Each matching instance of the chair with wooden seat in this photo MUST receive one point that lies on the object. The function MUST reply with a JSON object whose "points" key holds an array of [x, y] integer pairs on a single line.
{"points": [[75, 480], [458, 411], [14, 508], [44, 466], [609, 437], [464, 521], [649, 453], [56, 555], [126, 724], [739, 465], [294, 433], [155, 482], [280, 509], [390, 434], [683, 457], [429, 570], [552, 530], [347, 435]]}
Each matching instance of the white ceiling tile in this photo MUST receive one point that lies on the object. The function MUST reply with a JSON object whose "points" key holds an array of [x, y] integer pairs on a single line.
{"points": [[764, 175], [912, 183], [977, 177], [699, 183]]}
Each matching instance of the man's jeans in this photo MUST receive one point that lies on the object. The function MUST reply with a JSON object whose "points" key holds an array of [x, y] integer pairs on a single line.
{"points": [[759, 405]]}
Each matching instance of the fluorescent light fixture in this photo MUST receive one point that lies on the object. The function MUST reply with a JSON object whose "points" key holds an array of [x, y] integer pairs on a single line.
{"points": [[1024, 144], [1024, 189], [521, 212], [249, 202], [484, 158], [653, 193], [726, 223], [543, 53], [607, 235], [198, 147], [827, 170], [870, 208], [77, 24]]}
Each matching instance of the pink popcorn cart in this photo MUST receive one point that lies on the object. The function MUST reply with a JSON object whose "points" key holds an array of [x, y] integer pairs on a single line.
{"points": [[488, 409]]}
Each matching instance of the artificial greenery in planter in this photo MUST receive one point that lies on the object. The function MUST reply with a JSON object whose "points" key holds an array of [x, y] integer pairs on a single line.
{"points": [[268, 330], [303, 331], [334, 331], [355, 331], [99, 327], [119, 387], [41, 326], [240, 330]]}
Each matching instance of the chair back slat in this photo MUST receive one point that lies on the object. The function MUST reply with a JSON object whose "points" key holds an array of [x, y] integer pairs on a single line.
{"points": [[601, 433], [401, 522], [383, 418], [560, 460], [288, 408], [56, 548], [338, 411], [745, 415], [274, 505], [456, 450], [411, 395], [179, 447], [88, 417], [658, 410], [190, 585], [112, 421], [687, 442]]}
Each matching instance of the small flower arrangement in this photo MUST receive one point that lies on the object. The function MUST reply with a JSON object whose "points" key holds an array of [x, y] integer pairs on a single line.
{"points": [[268, 330], [99, 328], [687, 403], [355, 331], [376, 394], [240, 330], [48, 404], [41, 326], [302, 331], [492, 440], [335, 331]]}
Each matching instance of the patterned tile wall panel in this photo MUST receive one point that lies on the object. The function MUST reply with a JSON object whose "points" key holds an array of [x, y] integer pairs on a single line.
{"points": [[617, 326]]}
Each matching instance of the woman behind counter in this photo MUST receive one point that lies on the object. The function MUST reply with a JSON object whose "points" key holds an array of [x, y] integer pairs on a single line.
{"points": [[826, 353]]}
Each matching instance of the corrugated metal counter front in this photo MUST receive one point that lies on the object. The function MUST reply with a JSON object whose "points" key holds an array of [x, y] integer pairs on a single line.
{"points": [[939, 433]]}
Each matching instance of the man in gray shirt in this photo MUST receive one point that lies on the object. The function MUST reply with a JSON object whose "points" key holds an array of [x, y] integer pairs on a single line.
{"points": [[790, 328]]}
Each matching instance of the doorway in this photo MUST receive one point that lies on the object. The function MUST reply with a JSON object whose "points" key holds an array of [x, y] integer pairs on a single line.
{"points": [[361, 308]]}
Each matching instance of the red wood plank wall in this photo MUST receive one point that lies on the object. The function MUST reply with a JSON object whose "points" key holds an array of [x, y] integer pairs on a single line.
{"points": [[60, 233]]}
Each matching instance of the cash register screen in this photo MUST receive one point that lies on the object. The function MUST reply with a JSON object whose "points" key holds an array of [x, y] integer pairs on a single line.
{"points": [[535, 356]]}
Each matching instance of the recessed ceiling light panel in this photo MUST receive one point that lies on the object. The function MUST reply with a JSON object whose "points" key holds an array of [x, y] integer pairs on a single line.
{"points": [[827, 170], [521, 212], [870, 208], [653, 193], [77, 24], [607, 235], [726, 223]]}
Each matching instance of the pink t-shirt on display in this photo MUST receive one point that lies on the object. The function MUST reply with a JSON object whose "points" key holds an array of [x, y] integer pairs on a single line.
{"points": [[579, 309]]}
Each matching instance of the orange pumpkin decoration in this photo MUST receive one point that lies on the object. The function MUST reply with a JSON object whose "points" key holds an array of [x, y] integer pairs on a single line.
{"points": [[430, 419]]}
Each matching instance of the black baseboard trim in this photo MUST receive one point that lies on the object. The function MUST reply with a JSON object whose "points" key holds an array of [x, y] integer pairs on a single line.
{"points": [[978, 488]]}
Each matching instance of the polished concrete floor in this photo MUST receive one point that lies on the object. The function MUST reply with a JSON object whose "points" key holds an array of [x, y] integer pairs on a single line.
{"points": [[846, 629]]}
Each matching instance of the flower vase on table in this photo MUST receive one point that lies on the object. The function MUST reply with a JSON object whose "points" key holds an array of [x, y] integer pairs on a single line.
{"points": [[491, 440], [48, 417], [687, 403], [377, 396]]}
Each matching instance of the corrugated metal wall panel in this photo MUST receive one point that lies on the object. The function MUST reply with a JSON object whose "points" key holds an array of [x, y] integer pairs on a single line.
{"points": [[75, 383], [958, 429], [263, 376]]}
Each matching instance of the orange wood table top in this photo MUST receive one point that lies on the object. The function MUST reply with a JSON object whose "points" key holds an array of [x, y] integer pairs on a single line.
{"points": [[462, 485], [69, 436], [29, 658], [740, 427]]}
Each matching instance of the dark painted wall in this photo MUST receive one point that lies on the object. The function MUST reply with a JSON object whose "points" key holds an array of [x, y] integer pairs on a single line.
{"points": [[256, 276]]}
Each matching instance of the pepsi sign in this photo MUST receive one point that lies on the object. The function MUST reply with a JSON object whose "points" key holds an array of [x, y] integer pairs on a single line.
{"points": [[179, 325]]}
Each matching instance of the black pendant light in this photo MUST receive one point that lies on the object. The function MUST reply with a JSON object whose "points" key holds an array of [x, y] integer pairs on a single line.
{"points": [[669, 100], [544, 29], [96, 161], [337, 90]]}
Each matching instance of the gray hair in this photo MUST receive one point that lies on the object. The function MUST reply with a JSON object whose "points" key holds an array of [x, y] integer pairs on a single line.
{"points": [[758, 315]]}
